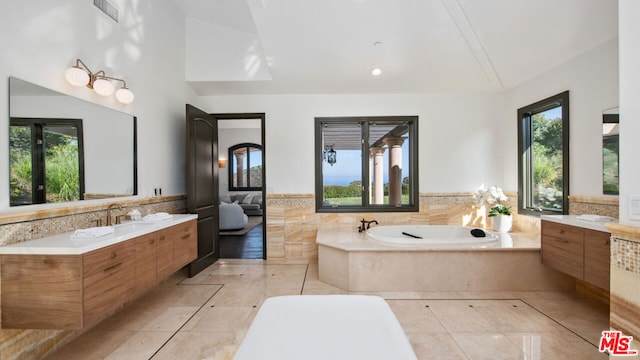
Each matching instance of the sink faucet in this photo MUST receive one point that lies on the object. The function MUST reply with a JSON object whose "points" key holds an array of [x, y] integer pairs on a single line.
{"points": [[366, 225], [111, 207]]}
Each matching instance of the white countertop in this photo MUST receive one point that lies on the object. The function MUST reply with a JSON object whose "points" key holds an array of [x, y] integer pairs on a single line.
{"points": [[63, 244], [574, 221]]}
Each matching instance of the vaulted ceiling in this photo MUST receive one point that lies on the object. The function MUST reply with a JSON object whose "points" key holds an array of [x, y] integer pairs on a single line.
{"points": [[331, 46]]}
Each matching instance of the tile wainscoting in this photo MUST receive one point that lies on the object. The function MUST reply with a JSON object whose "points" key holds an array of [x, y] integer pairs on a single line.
{"points": [[625, 277], [292, 221], [16, 227]]}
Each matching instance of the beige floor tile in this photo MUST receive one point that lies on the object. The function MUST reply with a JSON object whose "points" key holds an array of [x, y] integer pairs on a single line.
{"points": [[219, 345], [458, 315], [206, 317], [514, 315], [415, 316], [94, 344], [489, 346], [141, 345], [542, 345], [435, 346], [219, 318], [149, 317]]}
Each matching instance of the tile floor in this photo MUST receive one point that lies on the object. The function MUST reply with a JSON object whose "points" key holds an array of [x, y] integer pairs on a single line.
{"points": [[206, 317]]}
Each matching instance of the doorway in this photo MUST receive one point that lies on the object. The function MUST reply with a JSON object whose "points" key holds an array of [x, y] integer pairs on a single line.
{"points": [[241, 185]]}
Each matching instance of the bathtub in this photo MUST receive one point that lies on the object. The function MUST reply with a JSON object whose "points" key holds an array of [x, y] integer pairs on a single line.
{"points": [[431, 235]]}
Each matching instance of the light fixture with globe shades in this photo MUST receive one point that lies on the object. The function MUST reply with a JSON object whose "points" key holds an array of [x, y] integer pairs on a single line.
{"points": [[81, 75]]}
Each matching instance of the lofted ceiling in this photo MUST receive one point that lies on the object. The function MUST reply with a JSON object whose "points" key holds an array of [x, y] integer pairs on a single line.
{"points": [[331, 46]]}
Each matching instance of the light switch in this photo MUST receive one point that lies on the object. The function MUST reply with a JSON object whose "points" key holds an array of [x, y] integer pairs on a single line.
{"points": [[634, 207]]}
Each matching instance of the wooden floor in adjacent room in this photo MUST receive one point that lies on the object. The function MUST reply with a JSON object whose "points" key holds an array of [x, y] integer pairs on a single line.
{"points": [[248, 246]]}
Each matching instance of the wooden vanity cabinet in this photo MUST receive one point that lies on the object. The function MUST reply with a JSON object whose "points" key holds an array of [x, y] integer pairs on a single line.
{"points": [[579, 252], [74, 291], [597, 251], [108, 279], [146, 252]]}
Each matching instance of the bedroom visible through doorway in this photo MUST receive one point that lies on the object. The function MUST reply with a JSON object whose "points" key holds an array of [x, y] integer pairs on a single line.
{"points": [[241, 186]]}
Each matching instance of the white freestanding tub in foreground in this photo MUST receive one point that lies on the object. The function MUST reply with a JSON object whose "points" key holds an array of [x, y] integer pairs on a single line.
{"points": [[324, 327]]}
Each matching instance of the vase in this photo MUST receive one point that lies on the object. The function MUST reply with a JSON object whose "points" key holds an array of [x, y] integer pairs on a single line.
{"points": [[501, 223]]}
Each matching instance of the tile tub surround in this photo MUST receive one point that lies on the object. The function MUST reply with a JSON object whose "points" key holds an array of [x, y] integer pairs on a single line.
{"points": [[21, 225], [625, 280], [349, 260]]}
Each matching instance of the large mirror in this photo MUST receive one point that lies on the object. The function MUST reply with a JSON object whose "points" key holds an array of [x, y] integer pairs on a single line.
{"points": [[64, 149], [610, 151]]}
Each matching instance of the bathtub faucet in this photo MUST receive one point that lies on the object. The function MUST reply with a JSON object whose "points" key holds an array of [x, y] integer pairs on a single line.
{"points": [[364, 222]]}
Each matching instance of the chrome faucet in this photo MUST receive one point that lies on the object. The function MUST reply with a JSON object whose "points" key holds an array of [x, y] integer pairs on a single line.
{"points": [[366, 225], [111, 207]]}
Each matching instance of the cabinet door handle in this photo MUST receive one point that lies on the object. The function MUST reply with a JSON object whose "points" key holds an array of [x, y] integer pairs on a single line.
{"points": [[112, 267], [186, 236], [561, 231], [152, 241], [562, 241], [608, 242], [161, 237], [114, 255]]}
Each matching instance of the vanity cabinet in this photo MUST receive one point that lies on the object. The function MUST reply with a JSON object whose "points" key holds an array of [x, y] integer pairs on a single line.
{"points": [[576, 251], [74, 291]]}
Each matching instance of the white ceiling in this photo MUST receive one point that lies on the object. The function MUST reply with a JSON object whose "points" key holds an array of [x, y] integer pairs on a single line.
{"points": [[327, 46]]}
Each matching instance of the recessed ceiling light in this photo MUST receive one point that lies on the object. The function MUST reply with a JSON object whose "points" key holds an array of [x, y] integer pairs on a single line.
{"points": [[376, 72]]}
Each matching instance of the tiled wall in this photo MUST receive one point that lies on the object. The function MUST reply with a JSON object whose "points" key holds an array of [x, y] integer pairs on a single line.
{"points": [[34, 344], [625, 277], [292, 222]]}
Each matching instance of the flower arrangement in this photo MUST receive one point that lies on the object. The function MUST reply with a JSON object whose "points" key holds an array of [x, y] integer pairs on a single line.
{"points": [[492, 196]]}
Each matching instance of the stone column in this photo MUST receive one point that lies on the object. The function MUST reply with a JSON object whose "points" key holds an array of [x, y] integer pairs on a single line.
{"points": [[395, 169], [377, 154], [239, 168]]}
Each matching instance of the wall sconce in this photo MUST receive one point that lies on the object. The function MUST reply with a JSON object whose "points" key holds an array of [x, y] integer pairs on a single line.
{"points": [[222, 163], [80, 75]]}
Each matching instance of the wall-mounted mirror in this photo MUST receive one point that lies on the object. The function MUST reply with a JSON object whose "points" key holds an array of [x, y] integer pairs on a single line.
{"points": [[63, 148], [610, 151]]}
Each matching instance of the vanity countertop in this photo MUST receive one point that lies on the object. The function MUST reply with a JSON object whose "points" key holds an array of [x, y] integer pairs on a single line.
{"points": [[63, 244], [574, 221]]}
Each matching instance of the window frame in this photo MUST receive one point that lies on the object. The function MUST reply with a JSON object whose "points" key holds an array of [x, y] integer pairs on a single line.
{"points": [[525, 155], [38, 165], [232, 163], [414, 194]]}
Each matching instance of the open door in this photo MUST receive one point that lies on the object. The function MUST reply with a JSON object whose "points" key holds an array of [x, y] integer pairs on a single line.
{"points": [[202, 184]]}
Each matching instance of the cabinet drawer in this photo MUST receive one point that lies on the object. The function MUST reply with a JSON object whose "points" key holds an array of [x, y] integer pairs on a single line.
{"points": [[105, 290], [565, 232], [146, 262], [185, 245], [106, 258], [597, 258], [563, 248]]}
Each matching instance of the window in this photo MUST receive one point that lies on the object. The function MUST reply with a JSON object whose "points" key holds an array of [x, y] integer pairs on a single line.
{"points": [[543, 165], [610, 153], [245, 169], [366, 164], [46, 161]]}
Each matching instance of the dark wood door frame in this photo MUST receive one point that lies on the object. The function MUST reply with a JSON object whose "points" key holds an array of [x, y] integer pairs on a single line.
{"points": [[261, 116]]}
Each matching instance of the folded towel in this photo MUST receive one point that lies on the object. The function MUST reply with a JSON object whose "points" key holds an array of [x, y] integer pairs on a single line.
{"points": [[160, 216], [92, 232], [591, 217]]}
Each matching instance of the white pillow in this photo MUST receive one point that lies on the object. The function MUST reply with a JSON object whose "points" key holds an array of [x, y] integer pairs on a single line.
{"points": [[247, 199]]}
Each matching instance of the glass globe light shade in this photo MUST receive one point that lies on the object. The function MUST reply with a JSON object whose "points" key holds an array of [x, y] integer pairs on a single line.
{"points": [[124, 95], [103, 87], [76, 76]]}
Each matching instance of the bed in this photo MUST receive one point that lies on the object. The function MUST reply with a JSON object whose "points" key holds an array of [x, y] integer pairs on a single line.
{"points": [[325, 327]]}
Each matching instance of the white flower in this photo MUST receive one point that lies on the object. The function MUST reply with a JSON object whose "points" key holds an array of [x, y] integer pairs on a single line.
{"points": [[491, 196]]}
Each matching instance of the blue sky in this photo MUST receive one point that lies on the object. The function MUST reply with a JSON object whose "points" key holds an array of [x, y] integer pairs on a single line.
{"points": [[348, 167]]}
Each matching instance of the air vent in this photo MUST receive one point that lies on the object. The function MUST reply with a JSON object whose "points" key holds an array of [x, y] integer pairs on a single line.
{"points": [[108, 8]]}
